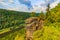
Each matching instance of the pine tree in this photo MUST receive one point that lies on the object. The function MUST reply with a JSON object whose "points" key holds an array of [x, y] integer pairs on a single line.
{"points": [[32, 14], [48, 11], [42, 16]]}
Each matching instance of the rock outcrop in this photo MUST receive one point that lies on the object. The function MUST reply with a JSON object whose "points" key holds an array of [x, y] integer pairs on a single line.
{"points": [[32, 24]]}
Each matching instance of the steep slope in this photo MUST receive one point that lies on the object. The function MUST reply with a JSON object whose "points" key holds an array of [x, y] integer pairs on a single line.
{"points": [[10, 18]]}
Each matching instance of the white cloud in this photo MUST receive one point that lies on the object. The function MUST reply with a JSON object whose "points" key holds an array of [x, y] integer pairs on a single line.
{"points": [[3, 3], [39, 8], [25, 0], [47, 0], [20, 7], [16, 7], [11, 1], [54, 4]]}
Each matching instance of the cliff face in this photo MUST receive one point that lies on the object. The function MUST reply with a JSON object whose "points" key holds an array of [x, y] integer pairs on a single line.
{"points": [[32, 24]]}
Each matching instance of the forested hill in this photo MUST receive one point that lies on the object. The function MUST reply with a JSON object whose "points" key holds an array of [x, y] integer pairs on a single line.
{"points": [[19, 15], [9, 18]]}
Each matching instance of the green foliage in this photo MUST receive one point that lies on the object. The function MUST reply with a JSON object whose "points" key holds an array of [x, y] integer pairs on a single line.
{"points": [[50, 31], [56, 13], [47, 33], [18, 35], [32, 14], [42, 15], [12, 18], [53, 15], [47, 11]]}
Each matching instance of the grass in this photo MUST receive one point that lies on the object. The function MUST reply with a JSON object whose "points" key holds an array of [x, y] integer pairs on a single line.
{"points": [[47, 33], [51, 32], [14, 36], [4, 30]]}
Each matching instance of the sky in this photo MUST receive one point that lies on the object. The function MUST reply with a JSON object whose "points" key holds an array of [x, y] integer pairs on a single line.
{"points": [[27, 5]]}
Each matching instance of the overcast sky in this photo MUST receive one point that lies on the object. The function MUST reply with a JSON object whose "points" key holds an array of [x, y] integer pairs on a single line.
{"points": [[27, 5]]}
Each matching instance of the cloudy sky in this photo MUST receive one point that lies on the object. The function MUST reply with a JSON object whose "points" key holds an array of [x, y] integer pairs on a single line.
{"points": [[27, 5]]}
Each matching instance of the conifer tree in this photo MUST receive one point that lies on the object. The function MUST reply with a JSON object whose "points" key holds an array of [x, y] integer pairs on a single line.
{"points": [[32, 14], [48, 11]]}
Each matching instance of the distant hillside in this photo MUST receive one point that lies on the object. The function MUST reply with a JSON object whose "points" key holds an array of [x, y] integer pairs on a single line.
{"points": [[10, 18]]}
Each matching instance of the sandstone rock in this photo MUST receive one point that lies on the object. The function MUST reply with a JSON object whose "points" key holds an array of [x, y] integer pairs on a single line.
{"points": [[32, 24]]}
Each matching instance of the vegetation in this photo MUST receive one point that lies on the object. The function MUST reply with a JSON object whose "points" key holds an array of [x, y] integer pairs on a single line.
{"points": [[12, 18], [50, 31]]}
